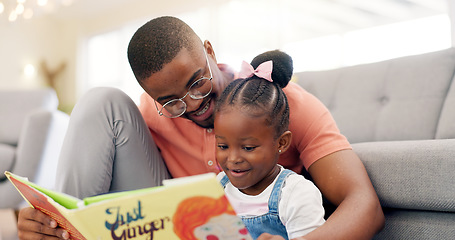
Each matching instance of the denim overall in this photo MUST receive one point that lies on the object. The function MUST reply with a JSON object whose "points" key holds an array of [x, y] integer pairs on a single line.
{"points": [[269, 222]]}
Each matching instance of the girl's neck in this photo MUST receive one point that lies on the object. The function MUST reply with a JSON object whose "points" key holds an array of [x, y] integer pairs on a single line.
{"points": [[259, 187]]}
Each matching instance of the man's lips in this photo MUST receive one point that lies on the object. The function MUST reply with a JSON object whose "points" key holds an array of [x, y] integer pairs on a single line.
{"points": [[204, 109], [204, 112]]}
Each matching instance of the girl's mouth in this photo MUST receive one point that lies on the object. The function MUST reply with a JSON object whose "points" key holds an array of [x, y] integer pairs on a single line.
{"points": [[238, 172]]}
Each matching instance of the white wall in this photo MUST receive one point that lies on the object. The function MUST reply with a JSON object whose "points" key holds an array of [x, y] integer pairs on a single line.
{"points": [[30, 42], [22, 43], [58, 38], [451, 6]]}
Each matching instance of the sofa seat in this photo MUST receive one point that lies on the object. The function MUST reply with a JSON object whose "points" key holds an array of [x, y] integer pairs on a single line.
{"points": [[419, 182]]}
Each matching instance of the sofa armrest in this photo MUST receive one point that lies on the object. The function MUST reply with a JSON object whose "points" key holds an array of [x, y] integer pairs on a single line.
{"points": [[31, 142], [37, 152], [39, 146], [412, 174], [47, 169]]}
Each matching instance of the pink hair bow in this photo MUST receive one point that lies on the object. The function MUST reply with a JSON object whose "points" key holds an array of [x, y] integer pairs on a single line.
{"points": [[264, 70]]}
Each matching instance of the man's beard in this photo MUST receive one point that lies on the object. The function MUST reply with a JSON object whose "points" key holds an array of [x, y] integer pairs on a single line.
{"points": [[208, 123]]}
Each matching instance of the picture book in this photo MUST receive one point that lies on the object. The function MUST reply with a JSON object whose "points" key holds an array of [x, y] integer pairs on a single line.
{"points": [[183, 208]]}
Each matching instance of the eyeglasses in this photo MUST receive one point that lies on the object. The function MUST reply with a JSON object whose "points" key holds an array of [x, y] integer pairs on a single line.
{"points": [[200, 89]]}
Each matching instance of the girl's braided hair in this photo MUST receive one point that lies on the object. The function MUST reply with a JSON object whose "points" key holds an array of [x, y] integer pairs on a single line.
{"points": [[259, 97]]}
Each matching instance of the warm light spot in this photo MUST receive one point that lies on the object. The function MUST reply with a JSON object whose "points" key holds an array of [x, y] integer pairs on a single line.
{"points": [[42, 2], [20, 9], [12, 16], [28, 13], [29, 70]]}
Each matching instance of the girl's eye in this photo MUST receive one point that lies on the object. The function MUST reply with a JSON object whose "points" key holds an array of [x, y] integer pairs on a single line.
{"points": [[222, 147], [248, 148]]}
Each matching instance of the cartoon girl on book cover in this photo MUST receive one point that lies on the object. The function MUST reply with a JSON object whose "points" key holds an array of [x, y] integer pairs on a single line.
{"points": [[206, 218]]}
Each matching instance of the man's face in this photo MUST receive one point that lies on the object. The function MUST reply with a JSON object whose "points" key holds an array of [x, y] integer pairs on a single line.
{"points": [[174, 79]]}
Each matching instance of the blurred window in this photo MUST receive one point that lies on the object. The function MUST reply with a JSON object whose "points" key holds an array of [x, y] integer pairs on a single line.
{"points": [[317, 34]]}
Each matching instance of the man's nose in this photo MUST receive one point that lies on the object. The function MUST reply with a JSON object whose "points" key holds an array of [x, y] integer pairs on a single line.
{"points": [[192, 104]]}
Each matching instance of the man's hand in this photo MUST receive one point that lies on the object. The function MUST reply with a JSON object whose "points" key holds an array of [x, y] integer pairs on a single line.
{"points": [[33, 224]]}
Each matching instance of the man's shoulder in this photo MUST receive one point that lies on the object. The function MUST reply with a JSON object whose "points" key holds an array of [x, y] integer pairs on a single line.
{"points": [[294, 88], [299, 98]]}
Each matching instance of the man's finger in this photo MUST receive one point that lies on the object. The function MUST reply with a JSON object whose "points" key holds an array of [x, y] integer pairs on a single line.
{"points": [[33, 224]]}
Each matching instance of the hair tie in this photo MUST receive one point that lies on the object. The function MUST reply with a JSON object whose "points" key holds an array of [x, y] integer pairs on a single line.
{"points": [[264, 70]]}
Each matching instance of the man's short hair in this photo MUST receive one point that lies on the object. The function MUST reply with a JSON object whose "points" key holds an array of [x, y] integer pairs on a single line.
{"points": [[156, 43]]}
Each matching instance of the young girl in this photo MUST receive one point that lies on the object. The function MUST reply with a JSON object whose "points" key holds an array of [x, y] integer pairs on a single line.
{"points": [[251, 131]]}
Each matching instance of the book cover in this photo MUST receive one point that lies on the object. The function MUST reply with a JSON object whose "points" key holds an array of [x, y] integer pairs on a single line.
{"points": [[184, 208]]}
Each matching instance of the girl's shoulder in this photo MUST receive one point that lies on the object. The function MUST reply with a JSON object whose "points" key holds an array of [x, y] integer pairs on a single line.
{"points": [[220, 175], [296, 184]]}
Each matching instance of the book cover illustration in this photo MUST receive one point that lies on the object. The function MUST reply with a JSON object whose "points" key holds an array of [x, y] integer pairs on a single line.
{"points": [[186, 208]]}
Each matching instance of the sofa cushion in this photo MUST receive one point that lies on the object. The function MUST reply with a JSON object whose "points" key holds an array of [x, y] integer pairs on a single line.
{"points": [[15, 105], [398, 99], [7, 155], [412, 225], [411, 174]]}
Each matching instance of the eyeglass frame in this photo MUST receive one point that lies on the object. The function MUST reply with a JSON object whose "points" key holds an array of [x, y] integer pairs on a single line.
{"points": [[160, 111]]}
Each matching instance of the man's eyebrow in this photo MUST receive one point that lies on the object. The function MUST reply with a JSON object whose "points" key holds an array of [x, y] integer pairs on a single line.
{"points": [[188, 84]]}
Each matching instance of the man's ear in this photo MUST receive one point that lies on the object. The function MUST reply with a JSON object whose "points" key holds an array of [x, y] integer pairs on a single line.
{"points": [[209, 49], [284, 141]]}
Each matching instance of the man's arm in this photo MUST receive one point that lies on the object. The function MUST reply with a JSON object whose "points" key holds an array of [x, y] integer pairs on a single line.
{"points": [[343, 180], [33, 224]]}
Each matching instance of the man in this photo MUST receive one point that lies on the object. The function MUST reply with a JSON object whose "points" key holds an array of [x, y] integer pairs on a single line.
{"points": [[108, 146]]}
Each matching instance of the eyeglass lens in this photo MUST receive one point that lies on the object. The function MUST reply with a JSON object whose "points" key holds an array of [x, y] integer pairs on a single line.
{"points": [[198, 90]]}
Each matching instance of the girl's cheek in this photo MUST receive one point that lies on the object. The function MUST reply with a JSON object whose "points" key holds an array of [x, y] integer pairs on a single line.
{"points": [[243, 231], [212, 237]]}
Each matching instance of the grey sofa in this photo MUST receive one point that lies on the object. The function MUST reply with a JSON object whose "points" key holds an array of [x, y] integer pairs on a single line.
{"points": [[31, 134], [399, 116]]}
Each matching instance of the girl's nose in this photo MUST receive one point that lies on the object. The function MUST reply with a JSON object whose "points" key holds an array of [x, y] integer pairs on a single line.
{"points": [[234, 157]]}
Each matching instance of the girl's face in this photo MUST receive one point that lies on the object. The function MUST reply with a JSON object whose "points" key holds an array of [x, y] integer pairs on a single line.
{"points": [[246, 150]]}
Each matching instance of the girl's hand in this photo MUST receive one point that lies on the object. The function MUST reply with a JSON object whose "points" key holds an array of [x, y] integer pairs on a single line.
{"points": [[33, 224], [266, 236]]}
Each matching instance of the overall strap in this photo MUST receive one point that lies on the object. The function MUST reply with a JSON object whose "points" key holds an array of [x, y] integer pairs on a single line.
{"points": [[275, 196], [224, 181]]}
